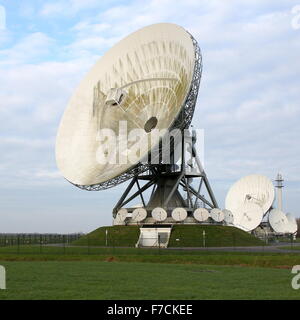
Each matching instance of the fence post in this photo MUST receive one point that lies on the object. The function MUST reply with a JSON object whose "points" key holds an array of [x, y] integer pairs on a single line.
{"points": [[159, 243], [18, 242], [40, 243], [64, 241], [203, 234]]}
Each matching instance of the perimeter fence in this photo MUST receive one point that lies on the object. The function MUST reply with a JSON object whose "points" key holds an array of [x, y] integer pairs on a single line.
{"points": [[79, 244]]}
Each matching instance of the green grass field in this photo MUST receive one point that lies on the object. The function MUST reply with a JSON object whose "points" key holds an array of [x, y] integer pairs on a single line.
{"points": [[87, 272], [133, 280]]}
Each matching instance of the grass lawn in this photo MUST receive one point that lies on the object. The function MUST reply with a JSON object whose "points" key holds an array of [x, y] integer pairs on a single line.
{"points": [[174, 256], [123, 280]]}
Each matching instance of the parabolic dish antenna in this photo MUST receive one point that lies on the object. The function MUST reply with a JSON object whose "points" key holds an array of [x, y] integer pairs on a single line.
{"points": [[159, 214], [201, 214], [228, 216], [278, 221], [256, 189], [149, 80], [248, 216], [179, 214], [122, 215], [139, 214], [292, 223], [217, 215]]}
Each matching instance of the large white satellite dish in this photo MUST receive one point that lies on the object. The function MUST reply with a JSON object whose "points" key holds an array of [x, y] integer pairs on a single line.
{"points": [[179, 214], [148, 82], [248, 216], [159, 214], [217, 215], [201, 214], [139, 214], [144, 80], [292, 223], [255, 189], [278, 221]]}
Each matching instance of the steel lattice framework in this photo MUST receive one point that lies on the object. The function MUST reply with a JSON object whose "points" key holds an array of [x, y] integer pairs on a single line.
{"points": [[182, 122]]}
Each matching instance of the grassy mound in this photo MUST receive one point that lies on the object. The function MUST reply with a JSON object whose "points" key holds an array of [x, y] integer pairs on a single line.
{"points": [[181, 236], [215, 236], [119, 236]]}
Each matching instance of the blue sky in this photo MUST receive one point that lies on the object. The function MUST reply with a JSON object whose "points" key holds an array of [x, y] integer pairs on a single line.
{"points": [[248, 102]]}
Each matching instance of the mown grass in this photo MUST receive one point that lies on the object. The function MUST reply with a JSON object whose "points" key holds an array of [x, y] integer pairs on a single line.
{"points": [[181, 236], [215, 236], [119, 236], [173, 256], [123, 280]]}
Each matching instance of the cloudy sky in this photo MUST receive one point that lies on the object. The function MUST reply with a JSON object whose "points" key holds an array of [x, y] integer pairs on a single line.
{"points": [[248, 103]]}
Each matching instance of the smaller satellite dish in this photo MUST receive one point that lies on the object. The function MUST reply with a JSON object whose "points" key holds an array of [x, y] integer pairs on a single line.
{"points": [[278, 221], [217, 214], [179, 214], [121, 215], [201, 214], [139, 214], [292, 223], [159, 214], [255, 189], [249, 216], [228, 216]]}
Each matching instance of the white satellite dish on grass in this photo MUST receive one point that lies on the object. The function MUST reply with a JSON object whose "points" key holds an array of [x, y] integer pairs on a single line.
{"points": [[249, 216], [278, 221], [143, 80], [148, 82], [139, 214], [122, 215], [228, 216], [159, 214], [217, 215], [292, 223], [179, 214], [253, 189], [201, 214]]}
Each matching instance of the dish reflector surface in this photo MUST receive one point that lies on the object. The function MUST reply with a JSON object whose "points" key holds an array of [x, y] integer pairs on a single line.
{"points": [[217, 215], [159, 214], [179, 214], [248, 216], [139, 214], [144, 80], [228, 216], [278, 221], [256, 189], [122, 215], [201, 214], [292, 223]]}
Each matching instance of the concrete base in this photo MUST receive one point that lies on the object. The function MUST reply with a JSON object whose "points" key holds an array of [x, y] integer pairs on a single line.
{"points": [[154, 237]]}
